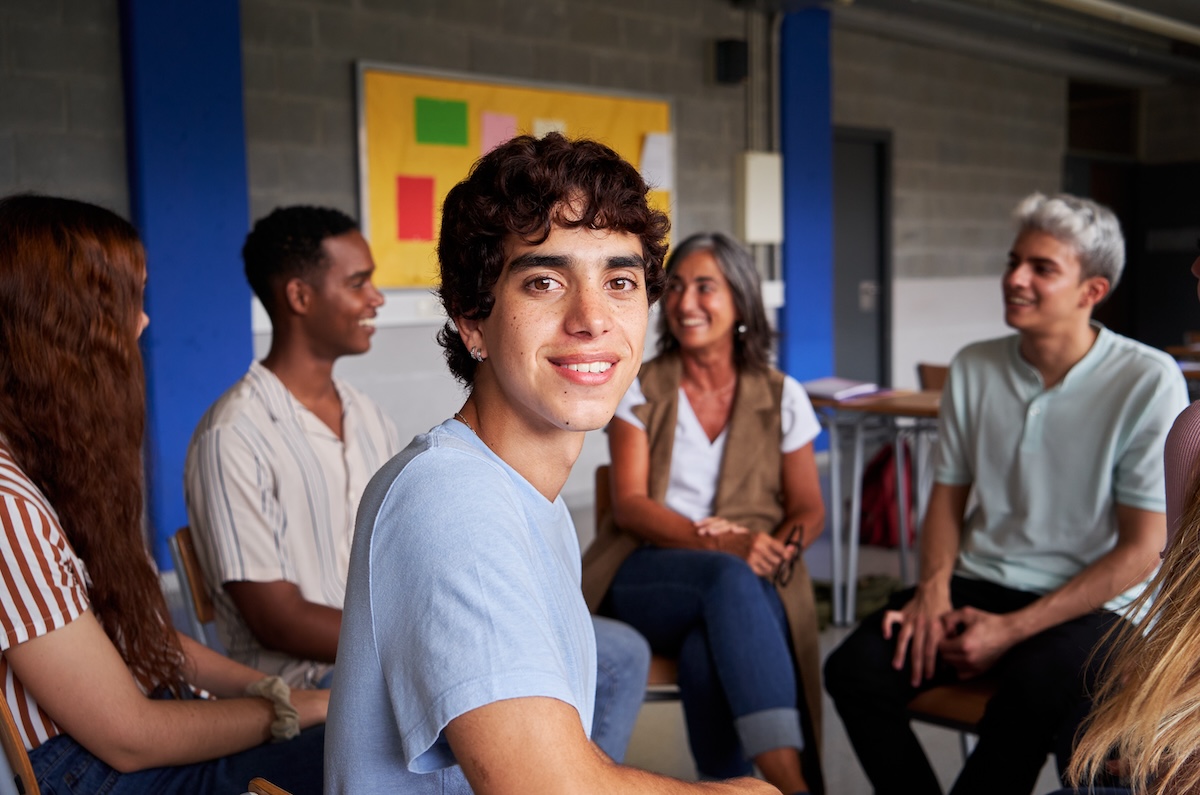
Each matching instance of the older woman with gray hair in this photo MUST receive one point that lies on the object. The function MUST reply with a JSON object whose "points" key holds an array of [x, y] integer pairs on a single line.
{"points": [[715, 498]]}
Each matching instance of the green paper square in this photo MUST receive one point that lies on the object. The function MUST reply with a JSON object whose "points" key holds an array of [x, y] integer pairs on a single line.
{"points": [[441, 121]]}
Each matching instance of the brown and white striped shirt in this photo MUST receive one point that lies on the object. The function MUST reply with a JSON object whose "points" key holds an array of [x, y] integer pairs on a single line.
{"points": [[44, 585]]}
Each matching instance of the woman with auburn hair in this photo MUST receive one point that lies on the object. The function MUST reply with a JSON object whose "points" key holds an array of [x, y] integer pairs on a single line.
{"points": [[106, 695], [1145, 726]]}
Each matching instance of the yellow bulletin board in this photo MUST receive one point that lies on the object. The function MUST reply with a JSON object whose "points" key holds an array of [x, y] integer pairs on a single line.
{"points": [[420, 132]]}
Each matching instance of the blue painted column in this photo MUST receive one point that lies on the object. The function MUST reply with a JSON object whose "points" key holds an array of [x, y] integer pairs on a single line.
{"points": [[806, 320], [188, 191]]}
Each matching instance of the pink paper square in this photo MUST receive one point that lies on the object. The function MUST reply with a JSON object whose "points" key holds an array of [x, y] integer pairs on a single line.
{"points": [[497, 128]]}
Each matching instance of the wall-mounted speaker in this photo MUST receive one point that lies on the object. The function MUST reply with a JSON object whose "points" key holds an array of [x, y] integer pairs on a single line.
{"points": [[732, 62]]}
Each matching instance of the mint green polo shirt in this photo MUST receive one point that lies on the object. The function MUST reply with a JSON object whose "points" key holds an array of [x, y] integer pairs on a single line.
{"points": [[1049, 466]]}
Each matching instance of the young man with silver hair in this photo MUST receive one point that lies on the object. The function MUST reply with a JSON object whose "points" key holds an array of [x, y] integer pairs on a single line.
{"points": [[1059, 431]]}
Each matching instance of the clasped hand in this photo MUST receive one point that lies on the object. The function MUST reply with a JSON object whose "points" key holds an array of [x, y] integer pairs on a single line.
{"points": [[968, 639], [762, 552]]}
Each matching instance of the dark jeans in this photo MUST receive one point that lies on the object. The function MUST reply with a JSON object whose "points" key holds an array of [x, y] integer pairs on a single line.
{"points": [[729, 632], [64, 766], [1042, 698]]}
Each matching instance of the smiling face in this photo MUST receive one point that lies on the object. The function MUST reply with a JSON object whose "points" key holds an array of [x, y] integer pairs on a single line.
{"points": [[1044, 287], [564, 338], [339, 306], [699, 305]]}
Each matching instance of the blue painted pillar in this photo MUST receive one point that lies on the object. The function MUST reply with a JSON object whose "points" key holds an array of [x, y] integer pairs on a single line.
{"points": [[188, 191], [806, 321]]}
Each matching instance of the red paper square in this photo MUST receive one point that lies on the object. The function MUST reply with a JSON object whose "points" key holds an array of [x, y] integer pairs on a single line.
{"points": [[414, 208]]}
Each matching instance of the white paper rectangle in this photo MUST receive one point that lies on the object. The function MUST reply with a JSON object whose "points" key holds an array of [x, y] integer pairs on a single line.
{"points": [[543, 126], [658, 161], [759, 198]]}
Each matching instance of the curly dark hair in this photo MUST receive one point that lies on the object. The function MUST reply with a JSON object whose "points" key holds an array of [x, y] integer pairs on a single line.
{"points": [[752, 347], [287, 244], [520, 188], [72, 406]]}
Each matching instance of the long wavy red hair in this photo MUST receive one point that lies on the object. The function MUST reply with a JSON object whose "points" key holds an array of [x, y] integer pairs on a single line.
{"points": [[72, 405]]}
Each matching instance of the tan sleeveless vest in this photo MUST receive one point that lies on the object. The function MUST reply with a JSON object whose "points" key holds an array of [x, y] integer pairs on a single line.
{"points": [[749, 492]]}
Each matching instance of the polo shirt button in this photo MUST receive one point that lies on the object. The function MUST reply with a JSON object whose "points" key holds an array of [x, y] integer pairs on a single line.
{"points": [[1036, 410]]}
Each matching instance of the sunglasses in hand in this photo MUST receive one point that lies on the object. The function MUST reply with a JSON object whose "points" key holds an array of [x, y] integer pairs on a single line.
{"points": [[783, 574]]}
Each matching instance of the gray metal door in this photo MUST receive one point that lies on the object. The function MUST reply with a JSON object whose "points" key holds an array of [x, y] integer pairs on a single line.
{"points": [[861, 284]]}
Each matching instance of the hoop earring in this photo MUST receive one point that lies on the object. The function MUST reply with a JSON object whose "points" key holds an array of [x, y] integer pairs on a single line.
{"points": [[477, 354]]}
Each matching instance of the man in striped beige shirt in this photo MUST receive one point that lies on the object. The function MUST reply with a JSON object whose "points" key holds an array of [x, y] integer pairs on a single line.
{"points": [[277, 464]]}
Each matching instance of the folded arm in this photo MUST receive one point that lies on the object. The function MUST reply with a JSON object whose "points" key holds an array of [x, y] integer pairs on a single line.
{"points": [[80, 680], [537, 744], [633, 509], [635, 512], [283, 620], [980, 638], [802, 499]]}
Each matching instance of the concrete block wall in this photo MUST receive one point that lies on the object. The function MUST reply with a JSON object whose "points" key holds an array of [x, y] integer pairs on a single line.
{"points": [[299, 78], [969, 139], [61, 112], [1170, 124], [301, 127]]}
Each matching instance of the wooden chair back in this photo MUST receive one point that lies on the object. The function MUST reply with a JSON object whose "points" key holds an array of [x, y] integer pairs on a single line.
{"points": [[603, 493], [22, 781], [260, 786], [183, 551], [932, 376], [958, 706]]}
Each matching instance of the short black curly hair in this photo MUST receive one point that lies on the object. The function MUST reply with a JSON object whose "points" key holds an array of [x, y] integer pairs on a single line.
{"points": [[519, 188], [286, 244]]}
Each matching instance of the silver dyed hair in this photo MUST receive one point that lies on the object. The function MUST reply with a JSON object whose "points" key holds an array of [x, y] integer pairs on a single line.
{"points": [[1091, 228]]}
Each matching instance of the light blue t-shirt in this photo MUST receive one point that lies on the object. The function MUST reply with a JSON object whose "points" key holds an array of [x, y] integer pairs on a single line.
{"points": [[463, 590], [1049, 466]]}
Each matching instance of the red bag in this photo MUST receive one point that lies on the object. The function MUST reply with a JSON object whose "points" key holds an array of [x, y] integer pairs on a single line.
{"points": [[880, 521]]}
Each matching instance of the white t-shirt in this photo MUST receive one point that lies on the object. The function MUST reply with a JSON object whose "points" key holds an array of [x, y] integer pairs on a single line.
{"points": [[696, 462]]}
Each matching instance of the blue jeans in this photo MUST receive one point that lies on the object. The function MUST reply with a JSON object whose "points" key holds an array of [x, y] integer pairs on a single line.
{"points": [[727, 628], [622, 665], [63, 766]]}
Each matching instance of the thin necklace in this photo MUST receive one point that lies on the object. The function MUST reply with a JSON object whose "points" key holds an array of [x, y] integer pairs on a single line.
{"points": [[458, 416], [720, 391]]}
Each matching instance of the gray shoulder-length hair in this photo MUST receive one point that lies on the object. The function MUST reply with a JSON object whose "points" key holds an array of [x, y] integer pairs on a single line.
{"points": [[751, 347], [1091, 228]]}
